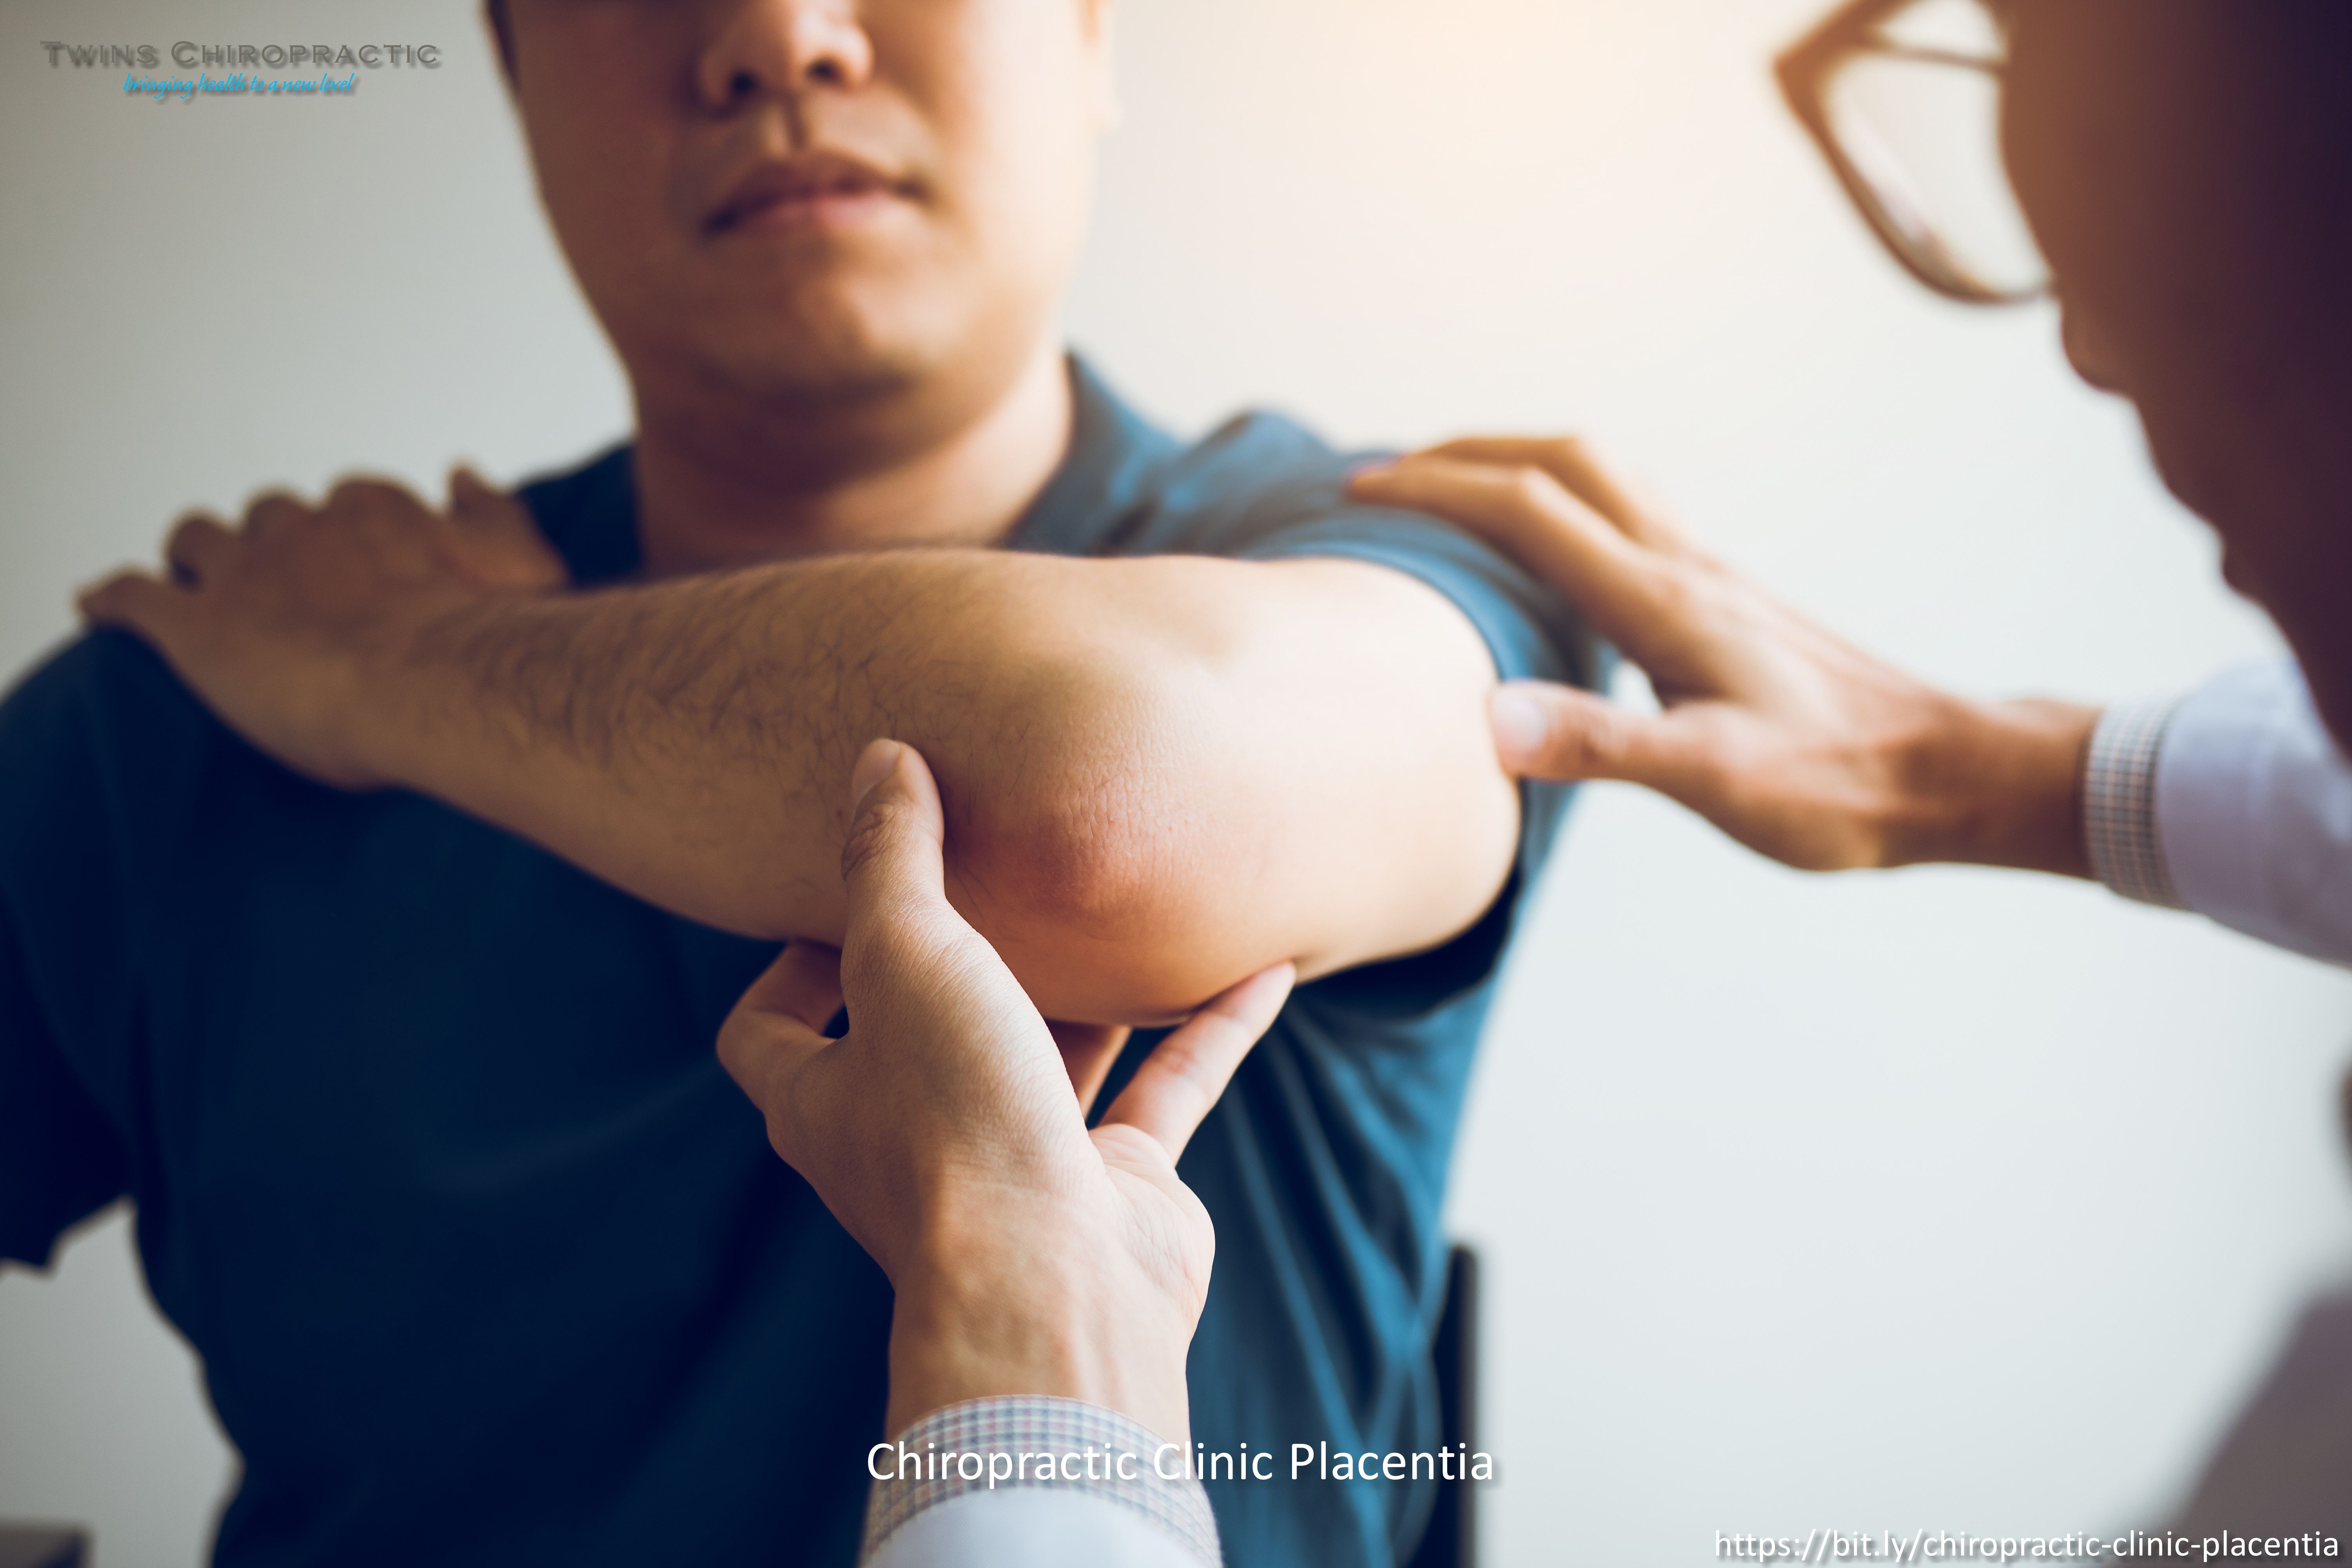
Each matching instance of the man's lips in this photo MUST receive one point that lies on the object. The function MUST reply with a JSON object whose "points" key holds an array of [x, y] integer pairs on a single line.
{"points": [[808, 188]]}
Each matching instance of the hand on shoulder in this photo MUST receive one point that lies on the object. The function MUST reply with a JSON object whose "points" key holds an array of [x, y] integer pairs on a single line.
{"points": [[281, 623], [1790, 740]]}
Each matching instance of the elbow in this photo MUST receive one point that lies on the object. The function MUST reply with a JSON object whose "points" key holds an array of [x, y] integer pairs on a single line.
{"points": [[1307, 777], [1109, 874]]}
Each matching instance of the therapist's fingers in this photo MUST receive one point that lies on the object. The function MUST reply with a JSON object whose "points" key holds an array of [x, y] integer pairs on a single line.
{"points": [[1089, 1051], [893, 861], [803, 984], [1528, 515], [903, 935], [1584, 472], [780, 1022], [1180, 1082], [773, 1033], [1545, 731], [910, 962]]}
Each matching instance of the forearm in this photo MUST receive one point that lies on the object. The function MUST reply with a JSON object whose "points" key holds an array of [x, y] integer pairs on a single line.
{"points": [[1159, 775], [689, 740]]}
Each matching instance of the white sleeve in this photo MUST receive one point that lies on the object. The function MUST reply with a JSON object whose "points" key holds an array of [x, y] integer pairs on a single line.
{"points": [[2254, 812], [1032, 1527], [1032, 1479]]}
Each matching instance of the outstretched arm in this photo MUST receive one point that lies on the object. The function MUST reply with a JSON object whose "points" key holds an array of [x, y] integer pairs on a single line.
{"points": [[1161, 775]]}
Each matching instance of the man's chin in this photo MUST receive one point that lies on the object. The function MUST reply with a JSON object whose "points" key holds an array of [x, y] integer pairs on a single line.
{"points": [[819, 370]]}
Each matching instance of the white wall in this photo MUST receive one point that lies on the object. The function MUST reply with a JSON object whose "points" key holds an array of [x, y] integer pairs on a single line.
{"points": [[1945, 1199]]}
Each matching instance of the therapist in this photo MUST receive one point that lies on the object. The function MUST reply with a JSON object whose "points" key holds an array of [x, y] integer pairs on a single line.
{"points": [[2185, 166], [1047, 1279]]}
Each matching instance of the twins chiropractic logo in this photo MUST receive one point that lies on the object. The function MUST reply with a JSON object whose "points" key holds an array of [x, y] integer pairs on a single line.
{"points": [[242, 66]]}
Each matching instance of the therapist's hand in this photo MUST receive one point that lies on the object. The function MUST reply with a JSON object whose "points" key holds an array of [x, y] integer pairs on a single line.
{"points": [[1028, 1254], [1794, 742]]}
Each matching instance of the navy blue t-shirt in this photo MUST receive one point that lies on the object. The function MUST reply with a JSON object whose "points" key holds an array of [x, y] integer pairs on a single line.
{"points": [[488, 1262]]}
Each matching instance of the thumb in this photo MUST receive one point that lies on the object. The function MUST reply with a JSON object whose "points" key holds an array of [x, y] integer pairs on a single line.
{"points": [[1180, 1082], [893, 860], [138, 602], [777, 1027], [501, 542], [476, 501], [917, 976], [1549, 732], [1089, 1051]]}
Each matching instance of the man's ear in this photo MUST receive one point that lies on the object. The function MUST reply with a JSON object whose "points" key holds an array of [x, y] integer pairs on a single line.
{"points": [[502, 26]]}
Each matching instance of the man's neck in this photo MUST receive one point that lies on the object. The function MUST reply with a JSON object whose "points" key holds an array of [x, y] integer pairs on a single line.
{"points": [[713, 493]]}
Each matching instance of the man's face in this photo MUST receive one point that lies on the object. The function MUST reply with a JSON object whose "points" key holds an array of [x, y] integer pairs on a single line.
{"points": [[798, 202], [2139, 136]]}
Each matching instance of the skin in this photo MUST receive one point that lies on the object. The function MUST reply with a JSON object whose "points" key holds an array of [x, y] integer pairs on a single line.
{"points": [[814, 374], [2174, 197], [1027, 1254], [827, 242], [2185, 166], [1793, 742]]}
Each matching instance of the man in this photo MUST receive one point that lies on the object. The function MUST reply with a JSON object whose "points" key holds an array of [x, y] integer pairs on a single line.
{"points": [[484, 1257], [2186, 168]]}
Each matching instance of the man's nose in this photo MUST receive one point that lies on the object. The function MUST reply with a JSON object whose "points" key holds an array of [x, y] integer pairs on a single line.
{"points": [[768, 49]]}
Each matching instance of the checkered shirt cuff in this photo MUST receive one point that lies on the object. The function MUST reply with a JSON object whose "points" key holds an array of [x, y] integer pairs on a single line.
{"points": [[2119, 803], [1006, 1442]]}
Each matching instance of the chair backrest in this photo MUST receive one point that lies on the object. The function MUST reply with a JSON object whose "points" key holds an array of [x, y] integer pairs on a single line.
{"points": [[1451, 1538], [42, 1546]]}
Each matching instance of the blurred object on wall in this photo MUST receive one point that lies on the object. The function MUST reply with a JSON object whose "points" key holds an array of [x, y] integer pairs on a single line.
{"points": [[42, 1546]]}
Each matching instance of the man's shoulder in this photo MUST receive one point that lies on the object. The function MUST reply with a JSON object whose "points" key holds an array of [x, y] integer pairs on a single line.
{"points": [[1259, 450], [1258, 472], [1264, 486], [100, 683], [588, 512], [100, 735], [1127, 487]]}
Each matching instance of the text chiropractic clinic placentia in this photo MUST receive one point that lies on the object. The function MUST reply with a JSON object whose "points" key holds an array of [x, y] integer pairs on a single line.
{"points": [[1172, 1462]]}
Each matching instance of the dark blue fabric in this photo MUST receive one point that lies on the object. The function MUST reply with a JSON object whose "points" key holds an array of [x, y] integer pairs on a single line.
{"points": [[487, 1260]]}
